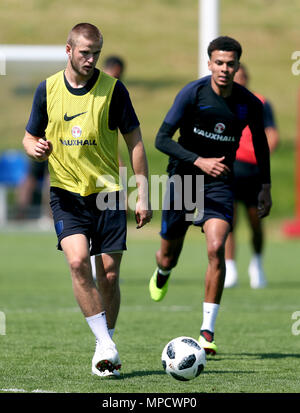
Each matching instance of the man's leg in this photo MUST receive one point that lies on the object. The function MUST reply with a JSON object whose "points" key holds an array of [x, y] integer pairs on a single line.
{"points": [[76, 250], [216, 231], [256, 229], [168, 254], [166, 258], [230, 253], [256, 272], [108, 272]]}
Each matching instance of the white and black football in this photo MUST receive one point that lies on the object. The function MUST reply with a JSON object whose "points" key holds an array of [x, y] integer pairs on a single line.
{"points": [[183, 358]]}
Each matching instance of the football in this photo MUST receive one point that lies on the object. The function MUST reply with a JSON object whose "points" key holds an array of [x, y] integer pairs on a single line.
{"points": [[183, 358]]}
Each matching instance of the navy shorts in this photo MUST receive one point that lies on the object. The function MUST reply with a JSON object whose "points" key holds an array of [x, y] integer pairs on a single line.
{"points": [[247, 183], [217, 203], [105, 229]]}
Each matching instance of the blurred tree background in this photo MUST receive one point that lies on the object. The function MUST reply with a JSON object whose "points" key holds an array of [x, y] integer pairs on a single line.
{"points": [[159, 41]]}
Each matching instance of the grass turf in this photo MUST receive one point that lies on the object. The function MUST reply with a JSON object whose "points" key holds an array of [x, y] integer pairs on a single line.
{"points": [[48, 345]]}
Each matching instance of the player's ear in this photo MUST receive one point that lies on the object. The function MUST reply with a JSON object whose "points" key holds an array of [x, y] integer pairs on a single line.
{"points": [[209, 64], [68, 49]]}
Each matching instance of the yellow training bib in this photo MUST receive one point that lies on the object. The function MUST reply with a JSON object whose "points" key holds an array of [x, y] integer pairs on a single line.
{"points": [[85, 151]]}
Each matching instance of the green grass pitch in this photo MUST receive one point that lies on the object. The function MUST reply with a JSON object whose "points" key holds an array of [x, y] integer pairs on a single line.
{"points": [[48, 345]]}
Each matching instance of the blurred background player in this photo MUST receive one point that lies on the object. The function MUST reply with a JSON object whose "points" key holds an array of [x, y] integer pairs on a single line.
{"points": [[33, 193], [114, 66], [246, 188]]}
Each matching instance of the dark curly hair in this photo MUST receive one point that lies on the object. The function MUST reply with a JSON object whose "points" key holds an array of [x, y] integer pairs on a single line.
{"points": [[225, 43]]}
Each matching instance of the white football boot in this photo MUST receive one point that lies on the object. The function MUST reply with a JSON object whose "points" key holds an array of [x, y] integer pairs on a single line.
{"points": [[106, 361], [256, 273]]}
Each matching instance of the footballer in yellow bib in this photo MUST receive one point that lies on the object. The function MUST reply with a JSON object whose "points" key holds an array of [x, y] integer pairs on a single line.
{"points": [[85, 150], [74, 123]]}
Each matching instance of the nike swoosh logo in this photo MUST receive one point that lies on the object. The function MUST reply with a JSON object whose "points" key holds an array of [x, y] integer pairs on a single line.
{"points": [[67, 118], [204, 107]]}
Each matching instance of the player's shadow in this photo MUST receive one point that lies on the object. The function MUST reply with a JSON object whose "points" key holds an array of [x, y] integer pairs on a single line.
{"points": [[161, 373], [142, 374], [209, 371]]}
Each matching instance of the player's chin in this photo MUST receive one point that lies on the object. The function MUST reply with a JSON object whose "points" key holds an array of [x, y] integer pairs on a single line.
{"points": [[86, 70], [223, 82]]}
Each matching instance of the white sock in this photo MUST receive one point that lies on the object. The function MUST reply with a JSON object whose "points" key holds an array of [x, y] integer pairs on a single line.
{"points": [[231, 276], [111, 332], [98, 325], [231, 266], [210, 312], [257, 259], [164, 272]]}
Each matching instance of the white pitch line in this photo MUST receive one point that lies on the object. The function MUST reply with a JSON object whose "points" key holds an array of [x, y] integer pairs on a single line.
{"points": [[25, 391], [141, 308]]}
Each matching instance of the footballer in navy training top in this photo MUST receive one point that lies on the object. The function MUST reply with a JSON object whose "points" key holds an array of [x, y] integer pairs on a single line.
{"points": [[210, 125], [210, 114]]}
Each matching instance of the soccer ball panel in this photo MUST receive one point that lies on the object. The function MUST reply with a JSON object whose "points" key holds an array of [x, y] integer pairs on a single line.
{"points": [[171, 351], [187, 362], [183, 358], [191, 342]]}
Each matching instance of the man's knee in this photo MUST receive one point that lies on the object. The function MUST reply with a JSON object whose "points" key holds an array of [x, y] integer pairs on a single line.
{"points": [[80, 267], [112, 278], [108, 276], [215, 250]]}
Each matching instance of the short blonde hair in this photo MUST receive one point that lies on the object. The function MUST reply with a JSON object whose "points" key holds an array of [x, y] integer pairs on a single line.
{"points": [[87, 30]]}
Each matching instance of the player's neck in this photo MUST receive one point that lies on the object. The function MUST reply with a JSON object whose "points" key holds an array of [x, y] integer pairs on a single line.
{"points": [[76, 80], [224, 92]]}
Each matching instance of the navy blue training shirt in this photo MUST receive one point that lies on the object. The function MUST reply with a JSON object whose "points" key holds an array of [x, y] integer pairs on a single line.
{"points": [[210, 126]]}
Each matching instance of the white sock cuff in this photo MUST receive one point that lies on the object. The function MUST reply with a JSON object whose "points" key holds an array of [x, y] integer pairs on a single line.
{"points": [[164, 272], [210, 307], [98, 325], [257, 257], [94, 317], [230, 264], [210, 312]]}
